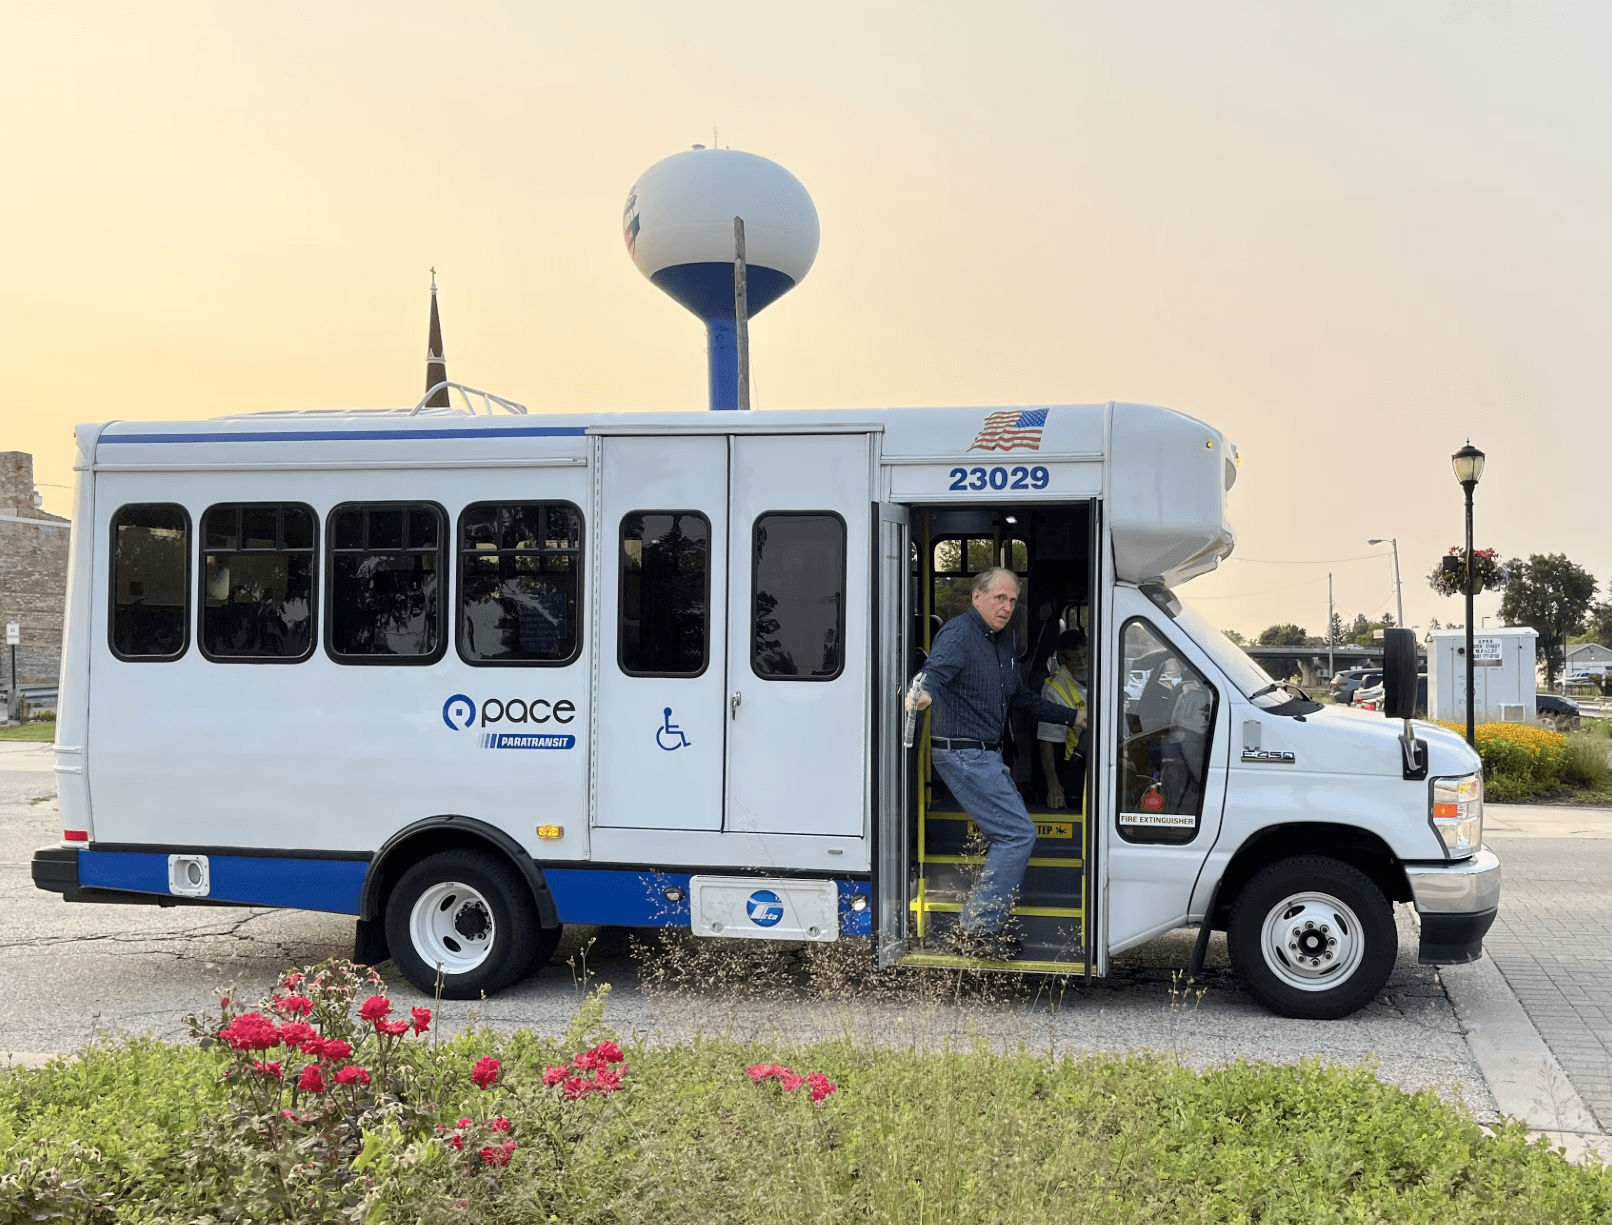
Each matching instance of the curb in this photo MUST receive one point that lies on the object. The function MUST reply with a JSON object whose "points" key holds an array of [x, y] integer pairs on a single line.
{"points": [[1527, 1082]]}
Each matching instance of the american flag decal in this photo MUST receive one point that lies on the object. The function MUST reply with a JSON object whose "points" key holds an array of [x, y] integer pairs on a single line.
{"points": [[1012, 430]]}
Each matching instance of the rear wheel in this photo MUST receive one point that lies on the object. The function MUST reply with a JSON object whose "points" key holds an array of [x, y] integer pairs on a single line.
{"points": [[1313, 937], [469, 915]]}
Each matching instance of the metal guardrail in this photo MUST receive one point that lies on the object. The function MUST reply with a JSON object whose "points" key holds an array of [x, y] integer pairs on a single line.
{"points": [[35, 697]]}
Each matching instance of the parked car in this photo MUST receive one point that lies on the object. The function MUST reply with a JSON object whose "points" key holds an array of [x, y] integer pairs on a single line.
{"points": [[1558, 714], [1346, 684], [1372, 698], [1587, 680]]}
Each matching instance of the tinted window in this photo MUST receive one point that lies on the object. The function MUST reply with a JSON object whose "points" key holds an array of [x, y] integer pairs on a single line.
{"points": [[385, 584], [664, 622], [518, 586], [257, 582], [798, 616], [150, 549]]}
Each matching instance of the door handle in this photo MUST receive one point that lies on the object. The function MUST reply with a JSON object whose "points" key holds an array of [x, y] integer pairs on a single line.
{"points": [[733, 704]]}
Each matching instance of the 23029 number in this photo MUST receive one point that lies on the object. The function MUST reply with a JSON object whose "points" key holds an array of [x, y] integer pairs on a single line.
{"points": [[999, 477]]}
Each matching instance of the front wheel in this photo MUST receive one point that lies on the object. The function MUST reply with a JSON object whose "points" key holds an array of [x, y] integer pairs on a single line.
{"points": [[1313, 938], [470, 916]]}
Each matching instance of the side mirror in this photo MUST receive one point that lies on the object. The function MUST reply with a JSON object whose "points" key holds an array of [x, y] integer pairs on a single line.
{"points": [[1399, 673]]}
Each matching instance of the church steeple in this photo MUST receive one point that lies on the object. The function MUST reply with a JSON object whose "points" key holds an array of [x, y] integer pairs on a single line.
{"points": [[436, 362]]}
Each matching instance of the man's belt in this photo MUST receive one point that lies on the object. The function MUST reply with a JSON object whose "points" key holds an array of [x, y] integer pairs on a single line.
{"points": [[942, 742]]}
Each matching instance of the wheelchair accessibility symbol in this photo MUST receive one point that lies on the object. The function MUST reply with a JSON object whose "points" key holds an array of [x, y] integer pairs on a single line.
{"points": [[669, 736]]}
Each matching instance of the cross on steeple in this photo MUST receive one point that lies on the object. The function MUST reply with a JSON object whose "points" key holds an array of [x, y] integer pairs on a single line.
{"points": [[436, 362]]}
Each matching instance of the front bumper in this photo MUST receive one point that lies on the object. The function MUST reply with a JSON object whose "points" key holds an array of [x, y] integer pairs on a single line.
{"points": [[1456, 903]]}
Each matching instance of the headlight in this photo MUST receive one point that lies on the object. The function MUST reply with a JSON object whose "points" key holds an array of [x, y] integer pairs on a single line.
{"points": [[1458, 813]]}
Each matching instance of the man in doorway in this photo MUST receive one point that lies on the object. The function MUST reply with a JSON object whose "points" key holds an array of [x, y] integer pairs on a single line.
{"points": [[1063, 754], [974, 680]]}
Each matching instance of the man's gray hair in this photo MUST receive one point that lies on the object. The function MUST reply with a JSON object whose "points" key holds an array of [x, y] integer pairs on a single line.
{"points": [[984, 579]]}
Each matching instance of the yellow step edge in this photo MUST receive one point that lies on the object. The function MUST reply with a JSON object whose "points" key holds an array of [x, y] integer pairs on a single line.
{"points": [[950, 961], [1040, 861], [1036, 912]]}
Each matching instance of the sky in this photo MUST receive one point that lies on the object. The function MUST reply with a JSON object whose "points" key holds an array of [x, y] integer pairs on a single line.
{"points": [[1352, 237]]}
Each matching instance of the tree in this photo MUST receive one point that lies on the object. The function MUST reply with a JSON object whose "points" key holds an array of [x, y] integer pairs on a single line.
{"points": [[1235, 637], [1598, 623], [1282, 636], [1553, 596], [1335, 631]]}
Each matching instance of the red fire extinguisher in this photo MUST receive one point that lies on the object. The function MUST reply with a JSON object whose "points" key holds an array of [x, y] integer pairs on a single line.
{"points": [[1153, 797]]}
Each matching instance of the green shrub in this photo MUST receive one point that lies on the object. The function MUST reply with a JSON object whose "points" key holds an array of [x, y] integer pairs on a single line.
{"points": [[1586, 760], [580, 1131]]}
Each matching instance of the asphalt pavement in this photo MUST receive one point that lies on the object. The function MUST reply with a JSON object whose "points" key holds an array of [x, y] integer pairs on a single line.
{"points": [[1520, 1033]]}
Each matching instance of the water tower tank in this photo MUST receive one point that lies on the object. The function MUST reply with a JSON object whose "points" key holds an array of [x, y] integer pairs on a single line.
{"points": [[678, 224]]}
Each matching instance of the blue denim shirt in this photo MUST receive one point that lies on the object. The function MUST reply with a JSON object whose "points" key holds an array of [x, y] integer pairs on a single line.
{"points": [[974, 679]]}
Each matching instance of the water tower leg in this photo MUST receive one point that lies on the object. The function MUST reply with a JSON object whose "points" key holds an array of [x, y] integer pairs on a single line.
{"points": [[722, 349]]}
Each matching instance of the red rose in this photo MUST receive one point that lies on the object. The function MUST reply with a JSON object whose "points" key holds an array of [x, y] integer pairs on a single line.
{"points": [[374, 1008], [790, 1080], [501, 1124], [311, 1080], [266, 1069], [820, 1085], [553, 1075], [608, 1080], [297, 1033], [485, 1073], [395, 1029], [609, 1052], [328, 1048], [352, 1074], [251, 1031], [759, 1072], [498, 1154], [458, 1143], [422, 1019], [576, 1087], [294, 1005]]}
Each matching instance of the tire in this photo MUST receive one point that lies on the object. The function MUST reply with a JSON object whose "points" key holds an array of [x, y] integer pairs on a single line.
{"points": [[470, 914], [1313, 938]]}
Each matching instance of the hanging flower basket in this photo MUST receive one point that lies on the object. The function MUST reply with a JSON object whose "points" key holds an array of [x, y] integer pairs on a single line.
{"points": [[1449, 578]]}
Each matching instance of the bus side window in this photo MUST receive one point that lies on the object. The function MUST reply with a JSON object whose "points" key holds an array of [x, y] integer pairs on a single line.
{"points": [[663, 625], [798, 617], [385, 585], [519, 563], [150, 556], [257, 582]]}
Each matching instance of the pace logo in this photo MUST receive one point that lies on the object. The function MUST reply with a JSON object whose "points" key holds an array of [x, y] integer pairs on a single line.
{"points": [[461, 713], [765, 908]]}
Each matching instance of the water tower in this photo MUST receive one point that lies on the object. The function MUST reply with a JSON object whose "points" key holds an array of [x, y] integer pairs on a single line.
{"points": [[679, 226]]}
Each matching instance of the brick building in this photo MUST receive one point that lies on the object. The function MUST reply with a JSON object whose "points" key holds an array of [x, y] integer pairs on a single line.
{"points": [[33, 574]]}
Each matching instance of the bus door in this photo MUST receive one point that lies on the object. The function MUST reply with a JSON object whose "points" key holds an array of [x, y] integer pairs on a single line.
{"points": [[798, 647], [1171, 742], [660, 716]]}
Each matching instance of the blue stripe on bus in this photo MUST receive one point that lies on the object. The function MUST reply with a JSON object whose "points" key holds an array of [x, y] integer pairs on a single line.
{"points": [[501, 431], [331, 885], [856, 922], [624, 899]]}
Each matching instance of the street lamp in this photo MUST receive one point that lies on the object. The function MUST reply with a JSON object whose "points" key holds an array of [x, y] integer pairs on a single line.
{"points": [[1399, 592], [1468, 464]]}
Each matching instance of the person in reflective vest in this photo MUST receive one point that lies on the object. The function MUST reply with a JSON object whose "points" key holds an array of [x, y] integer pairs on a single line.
{"points": [[1063, 749]]}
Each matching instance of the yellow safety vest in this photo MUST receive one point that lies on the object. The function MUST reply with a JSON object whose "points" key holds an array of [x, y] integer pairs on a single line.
{"points": [[1064, 686]]}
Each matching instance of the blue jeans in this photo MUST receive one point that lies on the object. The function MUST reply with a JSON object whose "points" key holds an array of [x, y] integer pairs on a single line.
{"points": [[985, 789]]}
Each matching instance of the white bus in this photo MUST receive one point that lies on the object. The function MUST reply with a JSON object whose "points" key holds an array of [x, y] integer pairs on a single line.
{"points": [[469, 678]]}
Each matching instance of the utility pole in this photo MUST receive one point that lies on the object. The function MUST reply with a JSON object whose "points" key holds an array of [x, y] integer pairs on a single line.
{"points": [[1332, 666], [741, 314]]}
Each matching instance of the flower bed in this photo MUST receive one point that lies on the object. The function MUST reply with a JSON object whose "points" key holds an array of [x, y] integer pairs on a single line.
{"points": [[1519, 760]]}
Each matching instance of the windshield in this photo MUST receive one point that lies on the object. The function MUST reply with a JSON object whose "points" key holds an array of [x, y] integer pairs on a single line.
{"points": [[1253, 681]]}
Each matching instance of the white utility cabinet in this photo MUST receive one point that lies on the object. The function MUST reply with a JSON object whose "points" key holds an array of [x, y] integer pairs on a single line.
{"points": [[1502, 675]]}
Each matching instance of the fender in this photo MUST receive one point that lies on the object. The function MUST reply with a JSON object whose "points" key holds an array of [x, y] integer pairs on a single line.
{"points": [[440, 833]]}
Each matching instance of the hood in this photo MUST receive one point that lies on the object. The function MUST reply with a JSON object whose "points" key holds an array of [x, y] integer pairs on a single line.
{"points": [[1341, 740]]}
